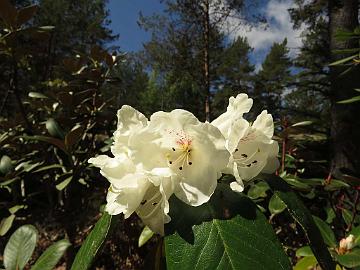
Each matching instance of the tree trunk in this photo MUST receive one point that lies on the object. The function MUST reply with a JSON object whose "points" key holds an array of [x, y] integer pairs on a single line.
{"points": [[206, 23], [345, 118]]}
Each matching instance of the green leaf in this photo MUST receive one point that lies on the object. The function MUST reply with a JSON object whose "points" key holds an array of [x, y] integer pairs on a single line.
{"points": [[302, 215], [63, 184], [16, 208], [303, 123], [326, 232], [20, 247], [51, 256], [344, 60], [145, 236], [351, 259], [276, 205], [92, 244], [54, 128], [37, 95], [5, 164], [304, 252], [356, 232], [8, 12], [336, 185], [306, 263], [49, 167], [258, 190], [25, 14], [54, 141], [350, 100], [74, 136], [347, 216], [228, 232], [6, 223]]}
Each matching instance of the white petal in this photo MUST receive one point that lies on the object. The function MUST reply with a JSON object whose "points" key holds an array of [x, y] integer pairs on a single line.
{"points": [[235, 186], [127, 199], [129, 121], [236, 132], [154, 211], [114, 169], [235, 110], [264, 123], [272, 162]]}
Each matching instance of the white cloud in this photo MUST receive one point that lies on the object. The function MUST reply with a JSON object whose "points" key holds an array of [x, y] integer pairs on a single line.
{"points": [[263, 35]]}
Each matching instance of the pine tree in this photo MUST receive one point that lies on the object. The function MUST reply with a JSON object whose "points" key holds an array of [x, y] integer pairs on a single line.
{"points": [[272, 81]]}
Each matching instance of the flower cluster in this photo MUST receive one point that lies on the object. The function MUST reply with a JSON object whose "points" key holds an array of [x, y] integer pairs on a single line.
{"points": [[175, 153]]}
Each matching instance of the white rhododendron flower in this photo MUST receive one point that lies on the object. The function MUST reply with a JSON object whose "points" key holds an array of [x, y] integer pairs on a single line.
{"points": [[346, 244], [129, 121], [133, 189], [175, 153], [251, 146], [194, 152]]}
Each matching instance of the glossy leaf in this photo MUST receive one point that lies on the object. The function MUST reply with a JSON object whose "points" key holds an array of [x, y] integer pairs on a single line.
{"points": [[25, 14], [356, 232], [54, 128], [350, 100], [54, 141], [228, 232], [258, 190], [5, 164], [351, 259], [326, 232], [92, 244], [145, 236], [304, 252], [8, 12], [51, 256], [63, 184], [302, 215], [305, 263], [5, 224], [37, 95], [73, 136], [276, 205], [20, 247]]}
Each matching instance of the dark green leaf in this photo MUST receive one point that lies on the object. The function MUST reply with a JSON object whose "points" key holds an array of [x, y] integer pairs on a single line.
{"points": [[54, 128], [74, 136], [20, 247], [326, 232], [37, 95], [302, 215], [25, 14], [351, 259], [59, 143], [347, 216], [5, 164], [92, 244], [8, 13], [51, 256], [228, 232], [356, 232]]}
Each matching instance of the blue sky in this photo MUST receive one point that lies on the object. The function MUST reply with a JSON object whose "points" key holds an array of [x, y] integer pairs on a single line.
{"points": [[125, 13]]}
